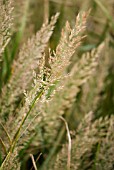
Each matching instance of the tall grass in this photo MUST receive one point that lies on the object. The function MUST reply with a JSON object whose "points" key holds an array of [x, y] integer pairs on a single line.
{"points": [[56, 82]]}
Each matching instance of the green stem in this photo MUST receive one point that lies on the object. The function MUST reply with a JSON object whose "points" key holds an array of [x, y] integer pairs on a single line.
{"points": [[54, 149], [16, 137], [19, 34]]}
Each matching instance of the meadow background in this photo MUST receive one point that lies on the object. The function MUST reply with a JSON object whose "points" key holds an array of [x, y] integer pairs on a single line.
{"points": [[56, 85]]}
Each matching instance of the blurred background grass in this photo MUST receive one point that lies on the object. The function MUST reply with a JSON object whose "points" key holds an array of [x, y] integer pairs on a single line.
{"points": [[30, 15], [98, 93], [28, 20]]}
